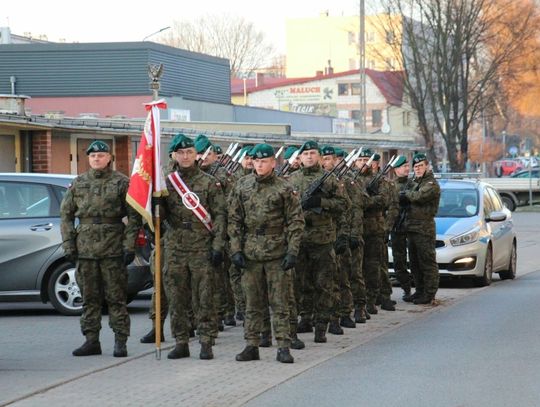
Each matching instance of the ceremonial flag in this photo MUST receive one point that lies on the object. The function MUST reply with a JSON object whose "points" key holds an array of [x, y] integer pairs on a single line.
{"points": [[147, 178]]}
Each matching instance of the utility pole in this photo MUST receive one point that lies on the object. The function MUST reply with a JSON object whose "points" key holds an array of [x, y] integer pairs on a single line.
{"points": [[362, 65]]}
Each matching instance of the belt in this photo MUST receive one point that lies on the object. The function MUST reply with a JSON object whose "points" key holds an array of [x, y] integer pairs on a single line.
{"points": [[99, 220], [266, 230], [373, 214], [189, 225], [312, 223]]}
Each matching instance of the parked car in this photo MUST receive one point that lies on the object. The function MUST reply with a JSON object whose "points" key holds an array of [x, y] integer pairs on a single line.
{"points": [[475, 233], [32, 262], [507, 167], [534, 173]]}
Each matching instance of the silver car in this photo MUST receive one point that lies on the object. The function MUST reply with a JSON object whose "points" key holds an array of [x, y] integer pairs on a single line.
{"points": [[32, 262], [475, 233]]}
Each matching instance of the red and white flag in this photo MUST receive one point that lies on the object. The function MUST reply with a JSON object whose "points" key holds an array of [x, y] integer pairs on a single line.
{"points": [[147, 178]]}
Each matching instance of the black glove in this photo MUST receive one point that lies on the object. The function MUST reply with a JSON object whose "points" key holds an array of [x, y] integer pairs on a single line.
{"points": [[216, 258], [403, 199], [340, 245], [239, 260], [354, 243], [289, 261], [128, 258], [311, 202], [372, 189], [71, 257]]}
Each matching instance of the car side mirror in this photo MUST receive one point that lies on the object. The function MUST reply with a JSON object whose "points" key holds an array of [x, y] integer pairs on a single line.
{"points": [[496, 216]]}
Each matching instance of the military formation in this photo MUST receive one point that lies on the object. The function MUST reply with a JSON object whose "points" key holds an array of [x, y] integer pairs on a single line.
{"points": [[283, 246]]}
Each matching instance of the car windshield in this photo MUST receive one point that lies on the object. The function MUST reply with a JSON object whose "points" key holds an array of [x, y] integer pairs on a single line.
{"points": [[458, 203]]}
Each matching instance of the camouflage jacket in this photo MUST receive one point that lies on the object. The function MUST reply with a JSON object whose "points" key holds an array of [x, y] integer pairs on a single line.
{"points": [[376, 205], [222, 176], [265, 218], [321, 228], [351, 222], [423, 194], [98, 199], [392, 214], [185, 232]]}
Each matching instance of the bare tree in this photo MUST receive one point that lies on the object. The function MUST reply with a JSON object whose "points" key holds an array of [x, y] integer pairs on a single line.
{"points": [[453, 53], [230, 37]]}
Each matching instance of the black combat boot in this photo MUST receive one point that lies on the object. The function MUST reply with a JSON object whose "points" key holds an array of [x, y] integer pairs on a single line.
{"points": [[304, 326], [424, 299], [90, 347], [239, 315], [206, 351], [284, 356], [266, 340], [371, 309], [347, 322], [120, 348], [360, 315], [296, 343], [220, 325], [181, 350], [150, 337], [250, 352], [388, 305], [334, 328], [378, 300], [192, 332], [413, 297], [230, 321], [320, 333], [407, 295]]}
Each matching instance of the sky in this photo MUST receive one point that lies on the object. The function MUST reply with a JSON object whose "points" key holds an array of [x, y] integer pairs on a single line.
{"points": [[120, 20]]}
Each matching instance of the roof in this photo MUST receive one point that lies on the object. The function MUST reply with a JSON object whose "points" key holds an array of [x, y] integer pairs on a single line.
{"points": [[390, 83]]}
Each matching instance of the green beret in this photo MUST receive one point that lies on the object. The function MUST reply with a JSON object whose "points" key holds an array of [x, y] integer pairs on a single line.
{"points": [[217, 149], [202, 143], [340, 152], [377, 157], [309, 145], [289, 152], [366, 152], [179, 142], [419, 157], [262, 151], [400, 161], [98, 146], [247, 150], [328, 150]]}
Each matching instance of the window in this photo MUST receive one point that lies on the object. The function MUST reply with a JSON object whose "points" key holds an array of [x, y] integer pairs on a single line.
{"points": [[356, 88], [25, 201], [458, 203], [495, 199], [406, 118], [370, 36], [356, 114], [371, 64], [351, 37], [343, 89], [390, 37], [376, 118], [389, 63]]}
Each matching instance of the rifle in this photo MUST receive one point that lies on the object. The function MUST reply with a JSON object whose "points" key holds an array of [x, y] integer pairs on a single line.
{"points": [[279, 152], [285, 167], [349, 161], [235, 162], [203, 157], [366, 164], [316, 185], [403, 209], [374, 182], [225, 158]]}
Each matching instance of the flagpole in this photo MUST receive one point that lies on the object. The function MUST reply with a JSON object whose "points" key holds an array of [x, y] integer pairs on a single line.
{"points": [[155, 73]]}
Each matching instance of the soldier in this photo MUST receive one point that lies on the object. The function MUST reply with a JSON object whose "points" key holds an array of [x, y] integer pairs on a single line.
{"points": [[398, 234], [421, 197], [195, 211], [101, 245], [265, 228], [317, 259]]}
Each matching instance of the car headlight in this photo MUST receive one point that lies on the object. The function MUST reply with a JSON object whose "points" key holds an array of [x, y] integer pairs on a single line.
{"points": [[466, 238]]}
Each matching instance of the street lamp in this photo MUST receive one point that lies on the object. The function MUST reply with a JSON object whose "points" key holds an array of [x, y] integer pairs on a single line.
{"points": [[157, 32]]}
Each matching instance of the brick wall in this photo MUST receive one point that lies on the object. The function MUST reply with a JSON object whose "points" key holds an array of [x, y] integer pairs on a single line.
{"points": [[41, 151]]}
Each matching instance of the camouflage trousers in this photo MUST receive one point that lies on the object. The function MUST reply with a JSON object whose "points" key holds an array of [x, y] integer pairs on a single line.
{"points": [[163, 296], [315, 272], [293, 311], [356, 277], [399, 253], [235, 278], [223, 295], [98, 280], [372, 264], [343, 299], [422, 257], [385, 290], [255, 277], [189, 282]]}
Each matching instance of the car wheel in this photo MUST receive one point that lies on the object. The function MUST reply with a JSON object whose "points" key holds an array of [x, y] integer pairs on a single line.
{"points": [[508, 202], [510, 274], [64, 293], [485, 280]]}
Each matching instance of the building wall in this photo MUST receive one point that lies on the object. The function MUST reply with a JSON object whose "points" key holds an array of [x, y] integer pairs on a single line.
{"points": [[312, 42]]}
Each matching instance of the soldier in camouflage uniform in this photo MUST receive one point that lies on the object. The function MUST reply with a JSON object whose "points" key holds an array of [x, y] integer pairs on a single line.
{"points": [[421, 198], [192, 251], [317, 259], [101, 245], [265, 228], [223, 294], [398, 234]]}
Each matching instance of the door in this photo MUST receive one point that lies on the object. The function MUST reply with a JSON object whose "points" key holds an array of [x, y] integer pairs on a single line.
{"points": [[8, 158], [502, 238], [82, 160]]}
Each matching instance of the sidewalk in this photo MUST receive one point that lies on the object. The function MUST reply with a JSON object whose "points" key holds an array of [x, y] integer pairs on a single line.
{"points": [[142, 380]]}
